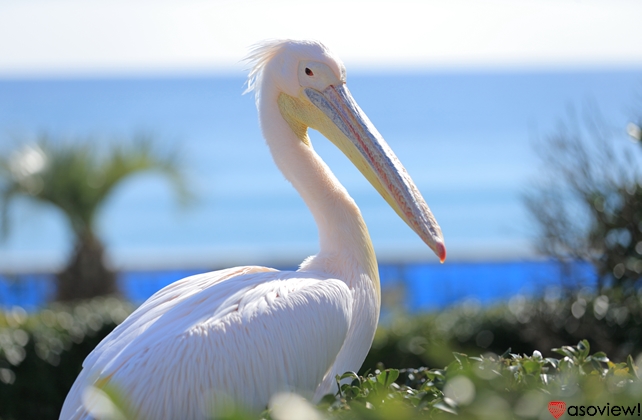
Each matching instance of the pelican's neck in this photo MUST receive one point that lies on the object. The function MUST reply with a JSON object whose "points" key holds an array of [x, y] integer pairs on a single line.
{"points": [[343, 235]]}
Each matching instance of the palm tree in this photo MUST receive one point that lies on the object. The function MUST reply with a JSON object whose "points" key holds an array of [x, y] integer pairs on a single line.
{"points": [[77, 177]]}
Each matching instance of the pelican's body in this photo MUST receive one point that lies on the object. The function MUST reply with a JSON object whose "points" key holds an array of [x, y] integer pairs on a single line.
{"points": [[246, 333]]}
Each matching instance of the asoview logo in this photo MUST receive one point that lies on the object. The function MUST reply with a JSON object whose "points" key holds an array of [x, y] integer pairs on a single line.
{"points": [[557, 409]]}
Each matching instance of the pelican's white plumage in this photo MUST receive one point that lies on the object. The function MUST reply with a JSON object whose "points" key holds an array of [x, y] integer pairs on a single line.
{"points": [[246, 333]]}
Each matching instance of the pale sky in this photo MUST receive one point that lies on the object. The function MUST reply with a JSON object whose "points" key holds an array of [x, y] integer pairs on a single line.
{"points": [[79, 37]]}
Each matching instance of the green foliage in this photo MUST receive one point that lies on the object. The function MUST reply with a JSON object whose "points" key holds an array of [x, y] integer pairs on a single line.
{"points": [[511, 386], [41, 354], [612, 323]]}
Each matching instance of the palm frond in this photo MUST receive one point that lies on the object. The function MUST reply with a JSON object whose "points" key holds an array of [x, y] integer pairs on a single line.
{"points": [[78, 176]]}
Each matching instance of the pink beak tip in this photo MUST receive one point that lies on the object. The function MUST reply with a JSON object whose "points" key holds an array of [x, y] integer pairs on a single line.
{"points": [[441, 251]]}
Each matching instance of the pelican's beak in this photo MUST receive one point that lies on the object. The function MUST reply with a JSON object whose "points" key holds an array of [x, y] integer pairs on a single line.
{"points": [[350, 129]]}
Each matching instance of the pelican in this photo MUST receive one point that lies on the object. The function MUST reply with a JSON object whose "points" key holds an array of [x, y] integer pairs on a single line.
{"points": [[246, 333]]}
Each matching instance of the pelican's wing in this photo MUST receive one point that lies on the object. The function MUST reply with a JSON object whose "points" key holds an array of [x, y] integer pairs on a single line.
{"points": [[244, 332], [158, 305]]}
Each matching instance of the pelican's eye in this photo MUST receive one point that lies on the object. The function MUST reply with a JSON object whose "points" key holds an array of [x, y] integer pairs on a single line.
{"points": [[308, 72]]}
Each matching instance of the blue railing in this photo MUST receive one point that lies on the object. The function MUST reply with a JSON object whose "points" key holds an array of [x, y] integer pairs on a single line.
{"points": [[421, 286]]}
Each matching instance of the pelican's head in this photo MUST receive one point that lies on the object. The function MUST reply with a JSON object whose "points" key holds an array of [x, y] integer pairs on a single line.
{"points": [[309, 84]]}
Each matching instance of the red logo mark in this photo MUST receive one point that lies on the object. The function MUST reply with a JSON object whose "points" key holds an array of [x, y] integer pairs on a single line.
{"points": [[557, 408]]}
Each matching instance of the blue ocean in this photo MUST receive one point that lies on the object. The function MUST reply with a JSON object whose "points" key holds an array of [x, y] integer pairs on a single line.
{"points": [[468, 139]]}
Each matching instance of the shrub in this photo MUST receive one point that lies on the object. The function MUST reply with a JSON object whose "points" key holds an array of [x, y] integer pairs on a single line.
{"points": [[41, 354], [510, 386], [613, 324]]}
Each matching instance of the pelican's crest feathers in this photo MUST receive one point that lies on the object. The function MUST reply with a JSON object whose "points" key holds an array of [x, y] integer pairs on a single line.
{"points": [[259, 55]]}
